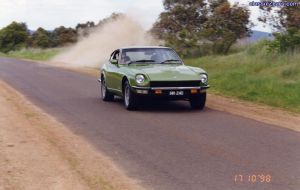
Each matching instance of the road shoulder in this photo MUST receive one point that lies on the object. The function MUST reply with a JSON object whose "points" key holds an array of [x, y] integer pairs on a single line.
{"points": [[262, 113], [38, 152]]}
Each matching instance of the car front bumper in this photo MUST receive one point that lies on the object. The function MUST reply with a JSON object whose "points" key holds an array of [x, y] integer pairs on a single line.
{"points": [[169, 92]]}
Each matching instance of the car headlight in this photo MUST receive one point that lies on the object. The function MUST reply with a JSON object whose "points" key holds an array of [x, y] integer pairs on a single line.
{"points": [[139, 79], [203, 78]]}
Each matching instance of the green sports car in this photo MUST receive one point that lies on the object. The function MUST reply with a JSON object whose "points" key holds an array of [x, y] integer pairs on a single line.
{"points": [[139, 73]]}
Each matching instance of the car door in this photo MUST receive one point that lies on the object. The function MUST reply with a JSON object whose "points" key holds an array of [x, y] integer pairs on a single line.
{"points": [[120, 72], [112, 71]]}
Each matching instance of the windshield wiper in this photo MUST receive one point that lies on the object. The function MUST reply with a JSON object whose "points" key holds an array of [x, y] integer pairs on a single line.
{"points": [[170, 60], [141, 61]]}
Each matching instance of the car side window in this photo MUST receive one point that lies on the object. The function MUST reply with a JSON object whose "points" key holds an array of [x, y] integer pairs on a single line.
{"points": [[115, 55], [111, 55], [124, 58]]}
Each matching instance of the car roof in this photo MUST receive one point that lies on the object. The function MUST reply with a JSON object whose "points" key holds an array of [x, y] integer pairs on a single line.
{"points": [[145, 47]]}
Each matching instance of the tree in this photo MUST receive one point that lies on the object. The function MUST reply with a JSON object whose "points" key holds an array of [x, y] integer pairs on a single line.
{"points": [[225, 25], [63, 36], [290, 16], [189, 26], [286, 41], [282, 17], [181, 23], [85, 28], [285, 22], [112, 17], [41, 39], [13, 37]]}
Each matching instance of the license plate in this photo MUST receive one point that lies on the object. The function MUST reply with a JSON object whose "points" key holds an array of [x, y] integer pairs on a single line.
{"points": [[176, 93]]}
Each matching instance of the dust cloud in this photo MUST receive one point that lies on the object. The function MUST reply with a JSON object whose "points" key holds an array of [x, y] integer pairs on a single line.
{"points": [[94, 50]]}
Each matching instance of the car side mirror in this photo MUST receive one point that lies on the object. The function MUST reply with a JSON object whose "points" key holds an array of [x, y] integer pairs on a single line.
{"points": [[114, 61]]}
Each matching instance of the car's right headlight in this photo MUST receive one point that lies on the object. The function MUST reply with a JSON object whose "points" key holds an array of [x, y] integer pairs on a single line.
{"points": [[140, 79], [203, 78]]}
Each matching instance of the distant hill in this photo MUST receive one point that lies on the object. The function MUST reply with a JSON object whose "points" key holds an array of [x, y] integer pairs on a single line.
{"points": [[259, 35], [255, 36]]}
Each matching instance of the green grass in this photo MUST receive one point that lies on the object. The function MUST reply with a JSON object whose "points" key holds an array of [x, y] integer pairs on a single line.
{"points": [[255, 75], [34, 54]]}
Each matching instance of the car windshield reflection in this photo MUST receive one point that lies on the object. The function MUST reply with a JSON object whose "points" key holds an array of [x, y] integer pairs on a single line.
{"points": [[149, 56]]}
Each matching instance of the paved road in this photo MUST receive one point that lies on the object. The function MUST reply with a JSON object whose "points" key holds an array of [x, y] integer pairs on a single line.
{"points": [[166, 146]]}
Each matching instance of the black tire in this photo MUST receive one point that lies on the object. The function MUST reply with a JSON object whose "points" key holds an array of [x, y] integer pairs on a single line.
{"points": [[198, 101], [130, 99], [105, 94]]}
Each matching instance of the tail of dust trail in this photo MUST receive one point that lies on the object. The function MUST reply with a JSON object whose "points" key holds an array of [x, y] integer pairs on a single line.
{"points": [[94, 50]]}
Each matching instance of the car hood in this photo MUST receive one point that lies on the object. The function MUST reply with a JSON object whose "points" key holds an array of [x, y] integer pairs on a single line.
{"points": [[168, 72]]}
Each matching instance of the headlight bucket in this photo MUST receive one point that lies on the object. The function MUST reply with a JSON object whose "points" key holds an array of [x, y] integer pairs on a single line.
{"points": [[203, 78], [139, 79]]}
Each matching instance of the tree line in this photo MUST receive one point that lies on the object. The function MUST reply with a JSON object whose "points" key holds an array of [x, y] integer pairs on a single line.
{"points": [[16, 35], [191, 27]]}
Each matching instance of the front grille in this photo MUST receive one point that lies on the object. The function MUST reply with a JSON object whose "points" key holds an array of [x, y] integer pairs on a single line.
{"points": [[174, 83]]}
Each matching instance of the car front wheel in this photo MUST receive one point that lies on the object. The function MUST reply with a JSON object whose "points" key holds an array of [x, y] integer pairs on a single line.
{"points": [[198, 101], [130, 99], [105, 94]]}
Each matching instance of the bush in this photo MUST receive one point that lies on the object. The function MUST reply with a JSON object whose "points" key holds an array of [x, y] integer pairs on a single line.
{"points": [[284, 42], [258, 47], [13, 37]]}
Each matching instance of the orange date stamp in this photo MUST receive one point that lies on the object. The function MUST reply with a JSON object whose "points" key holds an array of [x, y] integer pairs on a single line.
{"points": [[253, 178]]}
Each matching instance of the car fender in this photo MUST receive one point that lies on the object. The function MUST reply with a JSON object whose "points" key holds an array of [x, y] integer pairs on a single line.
{"points": [[130, 74], [196, 69]]}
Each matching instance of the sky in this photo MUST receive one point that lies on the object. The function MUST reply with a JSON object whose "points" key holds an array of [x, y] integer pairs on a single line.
{"points": [[50, 14]]}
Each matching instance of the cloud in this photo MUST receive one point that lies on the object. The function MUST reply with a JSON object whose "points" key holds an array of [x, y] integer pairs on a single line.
{"points": [[254, 15], [50, 14]]}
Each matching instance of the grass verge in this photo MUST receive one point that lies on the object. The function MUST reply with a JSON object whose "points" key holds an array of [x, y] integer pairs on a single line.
{"points": [[34, 54], [255, 75]]}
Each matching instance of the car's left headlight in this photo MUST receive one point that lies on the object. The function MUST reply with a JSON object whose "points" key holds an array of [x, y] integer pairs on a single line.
{"points": [[203, 78], [140, 79]]}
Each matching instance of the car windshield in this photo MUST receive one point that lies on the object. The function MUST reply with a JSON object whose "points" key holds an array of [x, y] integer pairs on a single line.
{"points": [[149, 55]]}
